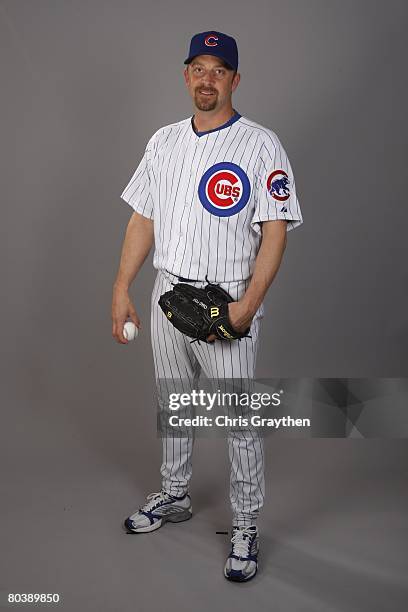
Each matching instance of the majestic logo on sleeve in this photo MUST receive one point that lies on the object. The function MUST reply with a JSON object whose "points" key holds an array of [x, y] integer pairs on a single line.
{"points": [[277, 185], [224, 189], [211, 40]]}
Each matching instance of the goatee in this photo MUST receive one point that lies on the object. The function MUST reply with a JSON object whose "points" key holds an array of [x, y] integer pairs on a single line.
{"points": [[203, 104]]}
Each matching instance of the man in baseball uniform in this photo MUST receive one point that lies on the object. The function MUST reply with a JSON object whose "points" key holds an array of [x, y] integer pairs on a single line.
{"points": [[216, 195]]}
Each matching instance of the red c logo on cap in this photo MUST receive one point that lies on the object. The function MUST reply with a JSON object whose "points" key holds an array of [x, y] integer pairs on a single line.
{"points": [[211, 40]]}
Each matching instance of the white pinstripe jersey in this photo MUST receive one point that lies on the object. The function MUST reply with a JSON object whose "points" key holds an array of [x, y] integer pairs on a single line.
{"points": [[207, 192]]}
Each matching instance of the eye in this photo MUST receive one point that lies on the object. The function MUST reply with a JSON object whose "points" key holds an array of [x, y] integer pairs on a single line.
{"points": [[220, 71]]}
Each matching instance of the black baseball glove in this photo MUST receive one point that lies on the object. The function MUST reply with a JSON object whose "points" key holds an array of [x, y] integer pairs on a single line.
{"points": [[197, 313]]}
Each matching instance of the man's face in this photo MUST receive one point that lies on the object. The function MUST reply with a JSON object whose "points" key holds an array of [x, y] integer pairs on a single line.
{"points": [[210, 84]]}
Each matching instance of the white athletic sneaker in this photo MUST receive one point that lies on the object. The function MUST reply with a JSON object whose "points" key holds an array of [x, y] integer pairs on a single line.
{"points": [[242, 562], [159, 508]]}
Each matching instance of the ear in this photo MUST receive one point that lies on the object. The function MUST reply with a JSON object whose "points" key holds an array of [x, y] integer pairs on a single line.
{"points": [[235, 81], [186, 76]]}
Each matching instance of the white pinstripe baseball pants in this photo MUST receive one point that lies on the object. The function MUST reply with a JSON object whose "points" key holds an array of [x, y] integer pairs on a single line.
{"points": [[175, 358]]}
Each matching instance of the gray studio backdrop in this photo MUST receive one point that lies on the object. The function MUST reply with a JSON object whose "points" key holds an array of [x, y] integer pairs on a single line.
{"points": [[84, 84]]}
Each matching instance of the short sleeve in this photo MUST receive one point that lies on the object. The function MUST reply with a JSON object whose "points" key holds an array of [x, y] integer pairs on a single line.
{"points": [[276, 190], [138, 192]]}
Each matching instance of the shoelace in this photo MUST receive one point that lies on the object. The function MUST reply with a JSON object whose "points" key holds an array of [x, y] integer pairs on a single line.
{"points": [[154, 500], [241, 540]]}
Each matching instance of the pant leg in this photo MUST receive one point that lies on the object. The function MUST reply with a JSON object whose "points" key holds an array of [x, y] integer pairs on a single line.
{"points": [[174, 360], [237, 360]]}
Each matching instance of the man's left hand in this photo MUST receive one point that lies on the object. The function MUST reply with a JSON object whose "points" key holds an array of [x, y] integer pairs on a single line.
{"points": [[239, 317]]}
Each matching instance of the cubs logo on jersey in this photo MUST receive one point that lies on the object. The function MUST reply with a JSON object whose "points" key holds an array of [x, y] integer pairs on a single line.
{"points": [[224, 189], [277, 185]]}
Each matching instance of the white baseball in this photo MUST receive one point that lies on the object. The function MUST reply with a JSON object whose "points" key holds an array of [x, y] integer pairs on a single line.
{"points": [[130, 331]]}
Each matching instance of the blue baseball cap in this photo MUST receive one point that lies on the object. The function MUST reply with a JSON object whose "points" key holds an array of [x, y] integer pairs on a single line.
{"points": [[214, 43]]}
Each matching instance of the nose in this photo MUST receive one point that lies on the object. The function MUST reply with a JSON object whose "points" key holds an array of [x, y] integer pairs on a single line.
{"points": [[208, 79]]}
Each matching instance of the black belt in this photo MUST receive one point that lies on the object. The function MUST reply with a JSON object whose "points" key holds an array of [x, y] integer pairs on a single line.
{"points": [[188, 280]]}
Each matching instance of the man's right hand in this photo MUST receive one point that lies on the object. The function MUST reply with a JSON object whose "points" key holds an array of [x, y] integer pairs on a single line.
{"points": [[122, 309]]}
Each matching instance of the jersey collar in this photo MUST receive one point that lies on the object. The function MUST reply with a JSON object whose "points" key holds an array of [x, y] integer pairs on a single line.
{"points": [[230, 121]]}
